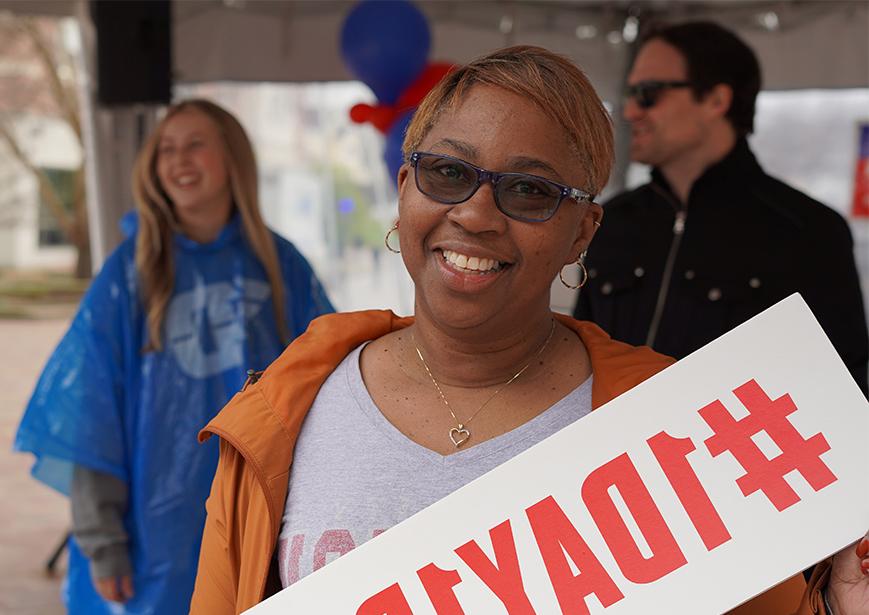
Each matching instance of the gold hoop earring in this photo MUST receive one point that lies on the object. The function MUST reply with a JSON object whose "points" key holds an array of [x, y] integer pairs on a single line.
{"points": [[386, 239], [583, 274]]}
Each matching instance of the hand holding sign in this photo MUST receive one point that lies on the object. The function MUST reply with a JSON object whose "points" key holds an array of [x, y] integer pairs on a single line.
{"points": [[848, 587]]}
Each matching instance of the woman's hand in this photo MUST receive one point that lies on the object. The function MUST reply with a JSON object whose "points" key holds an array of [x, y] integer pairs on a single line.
{"points": [[115, 589], [848, 588]]}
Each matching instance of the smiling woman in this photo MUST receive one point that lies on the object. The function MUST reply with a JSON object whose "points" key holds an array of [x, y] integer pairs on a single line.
{"points": [[192, 169], [531, 236], [201, 293], [370, 418]]}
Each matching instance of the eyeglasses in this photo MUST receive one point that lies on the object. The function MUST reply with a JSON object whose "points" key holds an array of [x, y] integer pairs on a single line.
{"points": [[520, 196], [647, 93]]}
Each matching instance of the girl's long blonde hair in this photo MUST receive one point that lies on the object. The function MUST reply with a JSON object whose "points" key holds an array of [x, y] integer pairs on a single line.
{"points": [[157, 220]]}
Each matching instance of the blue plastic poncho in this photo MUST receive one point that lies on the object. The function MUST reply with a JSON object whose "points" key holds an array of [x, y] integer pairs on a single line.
{"points": [[102, 403]]}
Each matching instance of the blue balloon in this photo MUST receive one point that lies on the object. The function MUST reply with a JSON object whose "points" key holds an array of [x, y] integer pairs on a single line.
{"points": [[394, 138], [386, 45]]}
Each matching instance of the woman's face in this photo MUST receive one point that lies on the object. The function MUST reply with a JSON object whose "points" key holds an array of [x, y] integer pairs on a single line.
{"points": [[498, 131], [192, 169]]}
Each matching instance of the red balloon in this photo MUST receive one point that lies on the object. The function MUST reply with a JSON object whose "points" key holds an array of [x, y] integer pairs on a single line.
{"points": [[423, 84], [382, 117], [360, 113]]}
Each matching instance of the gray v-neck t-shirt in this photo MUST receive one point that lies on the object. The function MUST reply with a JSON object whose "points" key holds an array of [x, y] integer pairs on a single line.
{"points": [[355, 475]]}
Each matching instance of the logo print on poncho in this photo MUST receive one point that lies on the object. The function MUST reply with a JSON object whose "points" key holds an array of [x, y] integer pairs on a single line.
{"points": [[205, 326]]}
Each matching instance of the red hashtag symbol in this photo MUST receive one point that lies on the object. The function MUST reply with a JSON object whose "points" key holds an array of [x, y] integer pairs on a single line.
{"points": [[770, 416]]}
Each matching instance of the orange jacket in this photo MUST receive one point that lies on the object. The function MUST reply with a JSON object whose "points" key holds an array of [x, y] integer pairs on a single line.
{"points": [[258, 431]]}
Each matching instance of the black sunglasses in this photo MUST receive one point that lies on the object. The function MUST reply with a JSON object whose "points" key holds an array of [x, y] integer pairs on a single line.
{"points": [[520, 196], [647, 93]]}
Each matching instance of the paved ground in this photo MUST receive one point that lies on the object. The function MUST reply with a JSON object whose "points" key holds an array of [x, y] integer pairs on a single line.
{"points": [[32, 517]]}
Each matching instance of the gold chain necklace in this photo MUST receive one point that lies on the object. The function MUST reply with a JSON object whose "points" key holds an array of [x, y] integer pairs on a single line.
{"points": [[460, 434]]}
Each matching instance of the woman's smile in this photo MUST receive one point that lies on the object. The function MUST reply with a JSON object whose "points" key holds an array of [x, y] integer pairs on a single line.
{"points": [[463, 272], [476, 264]]}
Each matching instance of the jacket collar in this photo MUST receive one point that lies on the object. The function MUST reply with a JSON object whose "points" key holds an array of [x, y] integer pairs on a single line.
{"points": [[723, 177]]}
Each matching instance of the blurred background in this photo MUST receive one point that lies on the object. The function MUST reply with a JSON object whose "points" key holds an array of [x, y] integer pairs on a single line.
{"points": [[83, 82]]}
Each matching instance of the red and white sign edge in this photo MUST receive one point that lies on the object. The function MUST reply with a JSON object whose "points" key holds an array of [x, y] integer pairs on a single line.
{"points": [[784, 349]]}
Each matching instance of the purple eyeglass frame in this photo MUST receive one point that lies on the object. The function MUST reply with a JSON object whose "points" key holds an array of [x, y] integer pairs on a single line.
{"points": [[494, 177]]}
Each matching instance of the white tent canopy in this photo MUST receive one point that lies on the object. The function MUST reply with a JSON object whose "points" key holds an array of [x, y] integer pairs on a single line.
{"points": [[802, 44]]}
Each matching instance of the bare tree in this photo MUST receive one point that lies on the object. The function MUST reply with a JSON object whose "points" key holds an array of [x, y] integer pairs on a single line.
{"points": [[45, 82]]}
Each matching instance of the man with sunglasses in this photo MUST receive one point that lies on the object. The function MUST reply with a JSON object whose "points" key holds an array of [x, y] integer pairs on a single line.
{"points": [[712, 239]]}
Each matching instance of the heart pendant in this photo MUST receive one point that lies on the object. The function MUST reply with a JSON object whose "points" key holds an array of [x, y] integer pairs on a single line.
{"points": [[459, 435]]}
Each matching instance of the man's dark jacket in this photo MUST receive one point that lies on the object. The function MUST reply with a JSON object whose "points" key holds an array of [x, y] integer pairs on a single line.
{"points": [[747, 241]]}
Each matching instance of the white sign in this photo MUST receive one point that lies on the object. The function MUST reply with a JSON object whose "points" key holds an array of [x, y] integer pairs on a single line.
{"points": [[714, 480]]}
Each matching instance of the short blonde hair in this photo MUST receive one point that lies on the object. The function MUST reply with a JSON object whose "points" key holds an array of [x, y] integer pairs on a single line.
{"points": [[551, 81], [157, 221]]}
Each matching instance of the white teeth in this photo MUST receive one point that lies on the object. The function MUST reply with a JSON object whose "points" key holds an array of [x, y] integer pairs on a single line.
{"points": [[185, 180], [471, 263]]}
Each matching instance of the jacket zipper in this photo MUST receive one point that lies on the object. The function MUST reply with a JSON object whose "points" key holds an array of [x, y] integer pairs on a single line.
{"points": [[667, 278]]}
